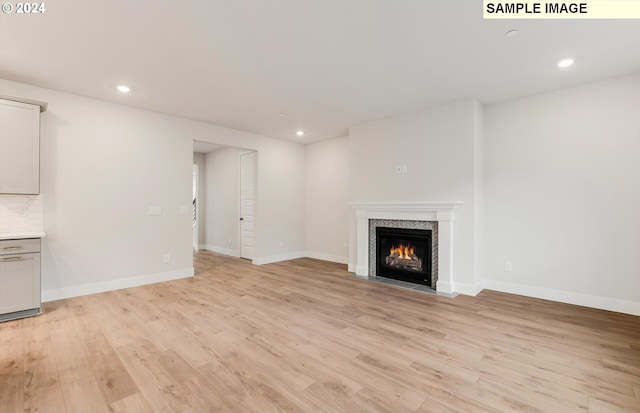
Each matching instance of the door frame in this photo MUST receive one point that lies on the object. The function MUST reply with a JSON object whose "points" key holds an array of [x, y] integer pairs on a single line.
{"points": [[255, 179], [195, 231]]}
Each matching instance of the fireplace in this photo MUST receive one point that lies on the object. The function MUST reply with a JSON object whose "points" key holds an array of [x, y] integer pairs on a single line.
{"points": [[404, 254], [437, 216]]}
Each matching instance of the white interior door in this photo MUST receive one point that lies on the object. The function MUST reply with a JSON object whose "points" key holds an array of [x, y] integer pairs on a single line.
{"points": [[246, 204], [194, 211]]}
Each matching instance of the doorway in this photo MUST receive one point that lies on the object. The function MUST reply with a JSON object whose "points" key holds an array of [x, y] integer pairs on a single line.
{"points": [[225, 199]]}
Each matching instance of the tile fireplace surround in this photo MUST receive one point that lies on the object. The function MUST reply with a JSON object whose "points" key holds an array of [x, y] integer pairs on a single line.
{"points": [[440, 212]]}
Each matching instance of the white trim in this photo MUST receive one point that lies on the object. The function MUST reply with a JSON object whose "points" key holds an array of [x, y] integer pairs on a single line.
{"points": [[240, 204], [444, 286], [327, 257], [468, 289], [407, 206], [111, 285], [603, 303], [254, 168], [220, 250], [277, 258], [43, 105], [195, 230]]}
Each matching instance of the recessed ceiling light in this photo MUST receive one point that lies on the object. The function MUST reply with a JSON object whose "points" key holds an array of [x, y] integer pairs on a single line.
{"points": [[300, 133], [124, 89], [565, 63], [511, 33]]}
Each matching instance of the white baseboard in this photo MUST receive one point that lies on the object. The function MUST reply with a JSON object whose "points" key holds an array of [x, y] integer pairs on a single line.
{"points": [[277, 258], [111, 285], [467, 289], [444, 287], [220, 250], [327, 257], [603, 303]]}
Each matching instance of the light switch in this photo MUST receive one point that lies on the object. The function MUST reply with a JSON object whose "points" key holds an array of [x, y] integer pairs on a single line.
{"points": [[155, 210]]}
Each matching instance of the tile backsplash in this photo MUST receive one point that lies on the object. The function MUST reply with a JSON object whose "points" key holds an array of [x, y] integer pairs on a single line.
{"points": [[21, 213]]}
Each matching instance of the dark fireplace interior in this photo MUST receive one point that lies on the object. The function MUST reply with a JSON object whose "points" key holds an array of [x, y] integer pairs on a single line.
{"points": [[404, 254]]}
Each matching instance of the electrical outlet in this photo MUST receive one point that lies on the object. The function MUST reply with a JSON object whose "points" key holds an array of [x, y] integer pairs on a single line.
{"points": [[229, 241], [281, 244], [508, 266], [403, 168], [345, 246], [167, 258], [155, 210]]}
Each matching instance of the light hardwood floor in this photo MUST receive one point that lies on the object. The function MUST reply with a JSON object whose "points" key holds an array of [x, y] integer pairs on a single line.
{"points": [[305, 336]]}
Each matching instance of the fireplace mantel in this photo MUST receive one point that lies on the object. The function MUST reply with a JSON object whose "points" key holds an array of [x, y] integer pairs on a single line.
{"points": [[442, 212]]}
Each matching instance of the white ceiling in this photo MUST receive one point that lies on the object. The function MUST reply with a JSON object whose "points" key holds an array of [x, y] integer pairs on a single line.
{"points": [[326, 64]]}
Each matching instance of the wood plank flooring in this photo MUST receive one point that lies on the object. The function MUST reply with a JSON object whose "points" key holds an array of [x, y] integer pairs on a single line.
{"points": [[305, 336]]}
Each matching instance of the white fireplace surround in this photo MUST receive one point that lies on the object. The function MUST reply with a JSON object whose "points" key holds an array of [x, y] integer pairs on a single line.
{"points": [[442, 212]]}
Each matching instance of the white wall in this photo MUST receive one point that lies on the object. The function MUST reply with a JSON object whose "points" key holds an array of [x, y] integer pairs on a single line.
{"points": [[281, 202], [327, 185], [222, 201], [438, 147], [553, 175], [103, 165], [561, 189], [199, 159]]}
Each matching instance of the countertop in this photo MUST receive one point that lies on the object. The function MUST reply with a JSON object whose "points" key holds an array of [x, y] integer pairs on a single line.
{"points": [[22, 235]]}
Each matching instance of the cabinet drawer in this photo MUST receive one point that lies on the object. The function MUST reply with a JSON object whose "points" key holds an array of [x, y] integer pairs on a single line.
{"points": [[19, 246], [19, 282]]}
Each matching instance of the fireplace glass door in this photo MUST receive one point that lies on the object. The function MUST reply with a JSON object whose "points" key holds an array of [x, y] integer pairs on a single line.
{"points": [[404, 254]]}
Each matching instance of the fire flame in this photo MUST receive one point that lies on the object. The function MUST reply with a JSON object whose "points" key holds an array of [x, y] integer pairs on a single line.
{"points": [[402, 251]]}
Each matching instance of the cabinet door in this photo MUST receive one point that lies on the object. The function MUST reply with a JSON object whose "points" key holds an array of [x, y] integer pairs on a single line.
{"points": [[19, 148], [19, 282]]}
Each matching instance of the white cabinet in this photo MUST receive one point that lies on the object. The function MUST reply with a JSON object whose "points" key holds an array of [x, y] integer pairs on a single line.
{"points": [[19, 278], [20, 146]]}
